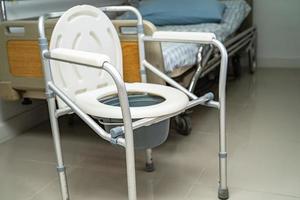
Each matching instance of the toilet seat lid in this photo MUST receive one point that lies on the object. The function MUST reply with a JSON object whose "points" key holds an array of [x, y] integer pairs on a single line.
{"points": [[84, 28]]}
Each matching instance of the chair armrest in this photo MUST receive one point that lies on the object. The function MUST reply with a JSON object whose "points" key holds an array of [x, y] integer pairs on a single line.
{"points": [[78, 57], [194, 37]]}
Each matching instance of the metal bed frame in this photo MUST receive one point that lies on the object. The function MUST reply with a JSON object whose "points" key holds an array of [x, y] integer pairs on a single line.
{"points": [[52, 91], [209, 60], [3, 16]]}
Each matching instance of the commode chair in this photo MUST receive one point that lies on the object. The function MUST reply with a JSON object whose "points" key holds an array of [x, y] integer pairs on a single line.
{"points": [[83, 68]]}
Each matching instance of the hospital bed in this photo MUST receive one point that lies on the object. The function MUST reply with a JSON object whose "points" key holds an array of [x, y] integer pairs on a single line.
{"points": [[21, 74], [235, 31]]}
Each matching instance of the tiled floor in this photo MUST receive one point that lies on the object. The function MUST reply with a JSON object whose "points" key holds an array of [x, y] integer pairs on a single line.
{"points": [[264, 153]]}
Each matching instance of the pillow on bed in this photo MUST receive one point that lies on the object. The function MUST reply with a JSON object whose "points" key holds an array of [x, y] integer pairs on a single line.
{"points": [[134, 3], [180, 12]]}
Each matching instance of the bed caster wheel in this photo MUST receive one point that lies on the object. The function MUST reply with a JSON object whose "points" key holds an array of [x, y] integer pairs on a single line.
{"points": [[223, 194], [252, 54], [237, 69], [183, 124], [149, 167], [26, 101], [252, 60]]}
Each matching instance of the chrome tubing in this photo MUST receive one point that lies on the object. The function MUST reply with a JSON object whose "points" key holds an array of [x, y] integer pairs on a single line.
{"points": [[43, 43], [206, 100], [223, 189], [87, 119], [41, 22], [63, 111], [61, 169], [222, 111], [52, 91], [169, 80], [140, 33], [3, 11], [124, 104], [199, 69], [129, 143], [195, 77], [149, 156]]}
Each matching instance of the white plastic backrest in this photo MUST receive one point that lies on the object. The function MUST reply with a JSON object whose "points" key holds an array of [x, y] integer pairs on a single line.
{"points": [[185, 36], [84, 28]]}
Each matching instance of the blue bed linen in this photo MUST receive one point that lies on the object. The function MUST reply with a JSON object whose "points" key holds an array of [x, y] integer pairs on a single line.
{"points": [[178, 12], [177, 55]]}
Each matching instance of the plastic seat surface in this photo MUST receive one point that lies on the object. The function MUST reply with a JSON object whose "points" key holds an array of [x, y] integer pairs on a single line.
{"points": [[174, 101]]}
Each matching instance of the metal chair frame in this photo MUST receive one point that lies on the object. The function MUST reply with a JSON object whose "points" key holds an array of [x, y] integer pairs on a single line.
{"points": [[116, 135]]}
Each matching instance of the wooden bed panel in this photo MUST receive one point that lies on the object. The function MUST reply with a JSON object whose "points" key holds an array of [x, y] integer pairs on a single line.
{"points": [[24, 59], [131, 64]]}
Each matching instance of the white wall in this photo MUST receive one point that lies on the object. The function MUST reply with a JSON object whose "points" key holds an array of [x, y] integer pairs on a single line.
{"points": [[16, 118], [33, 8], [278, 24]]}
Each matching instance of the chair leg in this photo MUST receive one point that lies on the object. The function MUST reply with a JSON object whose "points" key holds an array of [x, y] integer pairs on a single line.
{"points": [[223, 192], [149, 167], [130, 166], [57, 145]]}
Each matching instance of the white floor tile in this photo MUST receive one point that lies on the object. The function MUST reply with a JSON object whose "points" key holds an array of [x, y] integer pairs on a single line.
{"points": [[263, 123]]}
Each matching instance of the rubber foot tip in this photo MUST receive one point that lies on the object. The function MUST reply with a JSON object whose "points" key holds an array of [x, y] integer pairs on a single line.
{"points": [[149, 167], [223, 194]]}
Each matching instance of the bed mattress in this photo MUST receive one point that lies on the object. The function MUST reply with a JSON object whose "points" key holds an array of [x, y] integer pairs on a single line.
{"points": [[178, 55]]}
